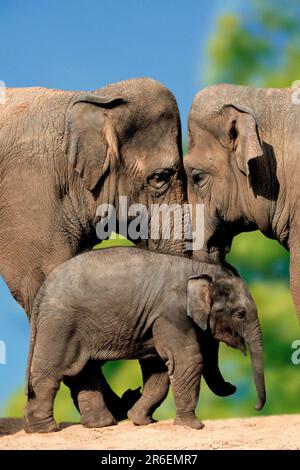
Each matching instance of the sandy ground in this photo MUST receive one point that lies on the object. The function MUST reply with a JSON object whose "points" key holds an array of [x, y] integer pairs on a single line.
{"points": [[273, 432]]}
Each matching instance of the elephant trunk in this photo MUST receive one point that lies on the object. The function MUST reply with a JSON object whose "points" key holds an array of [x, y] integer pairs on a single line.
{"points": [[171, 247], [170, 225], [211, 372], [256, 352]]}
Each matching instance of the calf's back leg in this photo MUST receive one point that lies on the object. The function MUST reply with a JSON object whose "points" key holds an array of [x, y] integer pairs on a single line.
{"points": [[88, 389], [155, 389], [54, 356], [38, 412]]}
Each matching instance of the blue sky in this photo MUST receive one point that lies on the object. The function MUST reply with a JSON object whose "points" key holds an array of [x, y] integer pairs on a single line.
{"points": [[85, 45]]}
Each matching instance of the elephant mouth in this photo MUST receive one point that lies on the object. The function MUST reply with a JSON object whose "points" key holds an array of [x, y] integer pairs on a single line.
{"points": [[236, 342], [242, 347]]}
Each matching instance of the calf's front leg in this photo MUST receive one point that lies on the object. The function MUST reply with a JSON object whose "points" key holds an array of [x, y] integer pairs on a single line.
{"points": [[177, 345]]}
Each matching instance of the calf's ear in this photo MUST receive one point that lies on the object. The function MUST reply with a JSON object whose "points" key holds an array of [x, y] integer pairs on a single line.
{"points": [[199, 299]]}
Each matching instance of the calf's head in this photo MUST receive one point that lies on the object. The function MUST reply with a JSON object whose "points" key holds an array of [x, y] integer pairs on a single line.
{"points": [[225, 307]]}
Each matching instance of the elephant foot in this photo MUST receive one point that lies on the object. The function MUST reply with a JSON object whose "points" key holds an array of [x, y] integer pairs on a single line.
{"points": [[98, 421], [190, 421], [93, 410], [34, 426], [139, 418], [37, 419]]}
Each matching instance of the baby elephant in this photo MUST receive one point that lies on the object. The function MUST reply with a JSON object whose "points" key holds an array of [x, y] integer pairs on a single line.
{"points": [[127, 303]]}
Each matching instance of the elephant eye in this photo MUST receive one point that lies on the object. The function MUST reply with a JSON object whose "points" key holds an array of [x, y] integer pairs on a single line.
{"points": [[160, 177], [198, 176], [240, 314]]}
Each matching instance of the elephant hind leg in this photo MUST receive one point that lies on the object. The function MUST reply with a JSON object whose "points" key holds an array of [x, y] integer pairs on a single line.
{"points": [[53, 356], [93, 377], [38, 412], [88, 390], [156, 385]]}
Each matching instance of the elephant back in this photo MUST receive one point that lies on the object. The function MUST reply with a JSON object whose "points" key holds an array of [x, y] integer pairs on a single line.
{"points": [[32, 121]]}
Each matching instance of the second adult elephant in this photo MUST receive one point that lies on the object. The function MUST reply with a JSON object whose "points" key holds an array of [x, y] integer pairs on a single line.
{"points": [[243, 163]]}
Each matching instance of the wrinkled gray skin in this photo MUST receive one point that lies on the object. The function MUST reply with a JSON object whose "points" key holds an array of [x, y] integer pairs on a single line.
{"points": [[157, 308], [64, 153], [243, 163]]}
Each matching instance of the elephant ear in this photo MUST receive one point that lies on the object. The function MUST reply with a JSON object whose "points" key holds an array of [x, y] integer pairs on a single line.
{"points": [[90, 141], [244, 136], [199, 299]]}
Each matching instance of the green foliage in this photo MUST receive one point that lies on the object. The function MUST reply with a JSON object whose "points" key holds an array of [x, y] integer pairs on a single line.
{"points": [[235, 53], [115, 240], [259, 46], [257, 257]]}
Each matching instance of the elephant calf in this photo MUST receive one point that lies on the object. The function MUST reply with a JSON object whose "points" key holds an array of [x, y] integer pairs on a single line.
{"points": [[160, 309]]}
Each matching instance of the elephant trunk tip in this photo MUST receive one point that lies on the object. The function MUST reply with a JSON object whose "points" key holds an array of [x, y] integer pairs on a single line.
{"points": [[261, 403]]}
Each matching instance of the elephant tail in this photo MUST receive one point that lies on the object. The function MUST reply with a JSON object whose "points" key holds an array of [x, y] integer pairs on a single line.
{"points": [[33, 330]]}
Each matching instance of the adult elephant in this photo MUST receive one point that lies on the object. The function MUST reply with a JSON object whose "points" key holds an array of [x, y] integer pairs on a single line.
{"points": [[243, 163], [63, 153]]}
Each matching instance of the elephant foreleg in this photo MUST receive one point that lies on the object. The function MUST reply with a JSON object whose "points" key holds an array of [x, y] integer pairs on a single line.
{"points": [[155, 389], [181, 352]]}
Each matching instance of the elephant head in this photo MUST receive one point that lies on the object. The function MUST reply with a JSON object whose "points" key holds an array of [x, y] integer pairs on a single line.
{"points": [[125, 140], [224, 309], [229, 168]]}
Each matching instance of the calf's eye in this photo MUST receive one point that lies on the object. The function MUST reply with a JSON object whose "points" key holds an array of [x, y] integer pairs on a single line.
{"points": [[240, 314]]}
